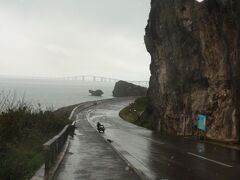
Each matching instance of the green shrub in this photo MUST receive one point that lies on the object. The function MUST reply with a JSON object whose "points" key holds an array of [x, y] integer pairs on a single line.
{"points": [[23, 130], [133, 112], [20, 163]]}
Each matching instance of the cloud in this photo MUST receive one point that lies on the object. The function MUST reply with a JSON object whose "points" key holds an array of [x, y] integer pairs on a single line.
{"points": [[55, 49], [64, 38]]}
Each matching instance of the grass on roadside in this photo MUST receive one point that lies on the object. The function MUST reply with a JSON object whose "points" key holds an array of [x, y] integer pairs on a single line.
{"points": [[23, 130], [133, 112]]}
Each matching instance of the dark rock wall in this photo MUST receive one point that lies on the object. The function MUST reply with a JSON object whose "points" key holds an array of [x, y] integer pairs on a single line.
{"points": [[195, 65], [126, 89]]}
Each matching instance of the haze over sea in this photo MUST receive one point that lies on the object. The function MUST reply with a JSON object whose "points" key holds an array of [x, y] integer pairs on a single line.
{"points": [[54, 93]]}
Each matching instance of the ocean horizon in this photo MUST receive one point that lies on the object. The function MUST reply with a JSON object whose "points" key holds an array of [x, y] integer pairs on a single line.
{"points": [[51, 93]]}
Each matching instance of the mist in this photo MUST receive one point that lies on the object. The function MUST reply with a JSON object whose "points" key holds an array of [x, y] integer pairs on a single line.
{"points": [[61, 38]]}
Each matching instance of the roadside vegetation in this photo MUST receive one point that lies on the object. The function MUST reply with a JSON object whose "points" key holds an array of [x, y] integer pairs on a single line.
{"points": [[23, 130], [133, 113]]}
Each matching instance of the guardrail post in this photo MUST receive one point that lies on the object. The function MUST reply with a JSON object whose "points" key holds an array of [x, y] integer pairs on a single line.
{"points": [[47, 159]]}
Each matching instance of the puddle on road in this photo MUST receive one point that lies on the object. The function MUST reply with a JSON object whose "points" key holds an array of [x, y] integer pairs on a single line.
{"points": [[200, 148]]}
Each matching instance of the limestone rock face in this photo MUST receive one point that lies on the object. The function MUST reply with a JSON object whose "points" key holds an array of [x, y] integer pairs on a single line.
{"points": [[195, 65], [125, 89]]}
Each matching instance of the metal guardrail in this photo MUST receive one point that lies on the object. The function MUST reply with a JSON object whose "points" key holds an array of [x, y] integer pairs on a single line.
{"points": [[54, 146]]}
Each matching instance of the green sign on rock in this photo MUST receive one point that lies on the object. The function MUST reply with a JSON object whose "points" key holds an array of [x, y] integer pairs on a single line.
{"points": [[202, 122]]}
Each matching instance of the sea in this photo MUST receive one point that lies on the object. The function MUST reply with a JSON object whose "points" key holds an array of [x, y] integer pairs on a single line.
{"points": [[50, 93]]}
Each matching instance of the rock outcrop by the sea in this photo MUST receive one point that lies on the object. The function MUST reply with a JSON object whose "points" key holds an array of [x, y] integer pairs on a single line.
{"points": [[96, 93], [125, 89], [195, 66]]}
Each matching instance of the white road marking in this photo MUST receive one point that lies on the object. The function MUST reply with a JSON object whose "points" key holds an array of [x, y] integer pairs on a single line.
{"points": [[217, 162]]}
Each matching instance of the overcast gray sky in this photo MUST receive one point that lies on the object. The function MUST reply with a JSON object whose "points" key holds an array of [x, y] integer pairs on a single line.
{"points": [[74, 37]]}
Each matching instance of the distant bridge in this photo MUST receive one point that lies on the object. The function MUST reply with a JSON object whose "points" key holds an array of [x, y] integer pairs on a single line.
{"points": [[101, 79]]}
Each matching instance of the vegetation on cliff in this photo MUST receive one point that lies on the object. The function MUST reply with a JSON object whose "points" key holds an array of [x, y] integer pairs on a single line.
{"points": [[133, 112], [23, 130]]}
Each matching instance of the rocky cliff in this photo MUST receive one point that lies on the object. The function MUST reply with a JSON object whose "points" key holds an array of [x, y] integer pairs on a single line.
{"points": [[195, 66], [126, 89], [98, 92]]}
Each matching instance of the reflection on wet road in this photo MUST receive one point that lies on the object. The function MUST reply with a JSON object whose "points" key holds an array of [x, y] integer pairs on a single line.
{"points": [[90, 157], [164, 157]]}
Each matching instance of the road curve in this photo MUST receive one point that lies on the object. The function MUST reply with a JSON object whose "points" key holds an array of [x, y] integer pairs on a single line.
{"points": [[90, 157], [164, 157]]}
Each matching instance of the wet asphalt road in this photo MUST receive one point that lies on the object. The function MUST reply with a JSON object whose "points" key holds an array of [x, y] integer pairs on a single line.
{"points": [[90, 157], [164, 157]]}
